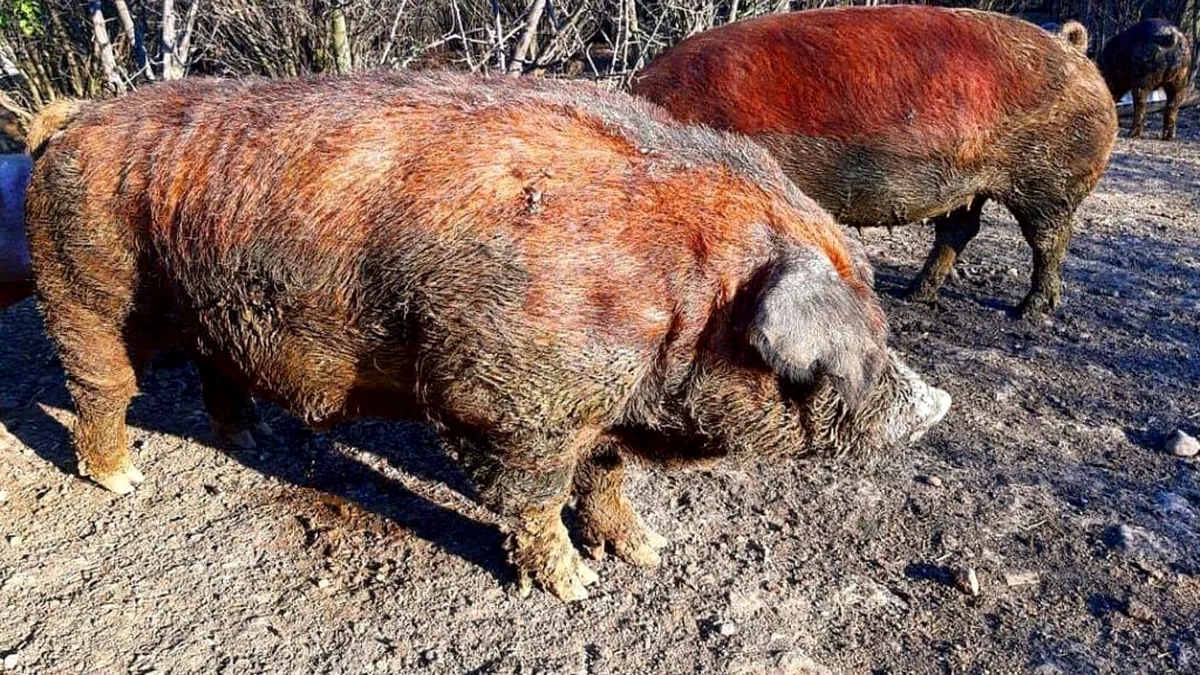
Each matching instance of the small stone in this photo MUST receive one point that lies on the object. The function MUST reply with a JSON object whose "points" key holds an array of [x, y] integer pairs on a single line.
{"points": [[1012, 272], [727, 628], [932, 481], [796, 662], [15, 540], [430, 655], [1021, 578], [1113, 433], [322, 583], [1005, 392], [10, 662], [1138, 611], [1142, 544], [1183, 444], [744, 604], [966, 580], [3, 496]]}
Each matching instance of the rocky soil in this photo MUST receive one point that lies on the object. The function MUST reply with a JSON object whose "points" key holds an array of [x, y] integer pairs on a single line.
{"points": [[1042, 527]]}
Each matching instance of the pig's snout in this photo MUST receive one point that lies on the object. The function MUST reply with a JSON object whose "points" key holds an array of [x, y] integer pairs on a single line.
{"points": [[917, 406], [935, 403]]}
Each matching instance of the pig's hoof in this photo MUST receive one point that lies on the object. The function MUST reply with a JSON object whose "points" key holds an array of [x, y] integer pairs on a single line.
{"points": [[242, 440], [122, 481], [1035, 307], [639, 551], [543, 555], [560, 572], [922, 294], [621, 530], [264, 431]]}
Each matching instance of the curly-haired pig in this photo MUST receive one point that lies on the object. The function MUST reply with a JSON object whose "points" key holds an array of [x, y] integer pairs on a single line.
{"points": [[558, 278], [1151, 55], [896, 114]]}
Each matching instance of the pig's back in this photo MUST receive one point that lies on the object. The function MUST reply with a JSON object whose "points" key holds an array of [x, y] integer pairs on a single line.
{"points": [[904, 78], [340, 183], [325, 236]]}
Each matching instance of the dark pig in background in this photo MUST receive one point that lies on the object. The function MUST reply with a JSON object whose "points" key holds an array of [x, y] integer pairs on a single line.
{"points": [[1151, 55], [892, 115], [558, 278]]}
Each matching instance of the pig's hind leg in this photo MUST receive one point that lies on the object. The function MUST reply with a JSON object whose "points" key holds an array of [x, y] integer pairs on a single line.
{"points": [[1171, 112], [527, 480], [230, 407], [953, 231], [607, 518], [1047, 228]]}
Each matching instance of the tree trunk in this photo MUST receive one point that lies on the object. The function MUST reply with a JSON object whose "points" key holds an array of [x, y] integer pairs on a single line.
{"points": [[108, 62], [134, 37], [339, 38], [498, 37], [517, 64], [170, 69], [175, 47], [183, 52]]}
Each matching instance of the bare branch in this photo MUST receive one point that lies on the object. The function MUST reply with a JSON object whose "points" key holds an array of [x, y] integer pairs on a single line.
{"points": [[104, 48], [531, 23]]}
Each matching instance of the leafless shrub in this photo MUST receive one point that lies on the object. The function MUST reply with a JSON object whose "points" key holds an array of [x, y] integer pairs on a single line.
{"points": [[55, 48]]}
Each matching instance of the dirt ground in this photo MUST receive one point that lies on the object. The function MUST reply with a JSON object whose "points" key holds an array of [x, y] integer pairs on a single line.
{"points": [[362, 551]]}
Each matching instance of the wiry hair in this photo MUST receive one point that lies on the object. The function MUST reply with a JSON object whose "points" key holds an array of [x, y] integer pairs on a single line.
{"points": [[49, 121], [1075, 34]]}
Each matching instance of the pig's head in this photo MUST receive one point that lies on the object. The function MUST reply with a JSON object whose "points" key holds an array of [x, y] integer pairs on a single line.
{"points": [[805, 369]]}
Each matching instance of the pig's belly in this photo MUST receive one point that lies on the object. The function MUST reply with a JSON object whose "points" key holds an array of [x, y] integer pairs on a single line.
{"points": [[869, 187]]}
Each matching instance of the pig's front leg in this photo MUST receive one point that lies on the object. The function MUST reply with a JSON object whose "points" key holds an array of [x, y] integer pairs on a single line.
{"points": [[527, 481], [231, 409], [607, 518]]}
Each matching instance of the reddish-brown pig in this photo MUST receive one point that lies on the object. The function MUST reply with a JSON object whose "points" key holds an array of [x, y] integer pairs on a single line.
{"points": [[556, 277], [1151, 55], [891, 115]]}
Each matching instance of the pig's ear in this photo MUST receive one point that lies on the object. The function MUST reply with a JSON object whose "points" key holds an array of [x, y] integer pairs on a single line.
{"points": [[808, 322]]}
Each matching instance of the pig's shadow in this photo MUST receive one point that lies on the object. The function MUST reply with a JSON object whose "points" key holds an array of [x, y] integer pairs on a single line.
{"points": [[895, 280], [170, 404]]}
